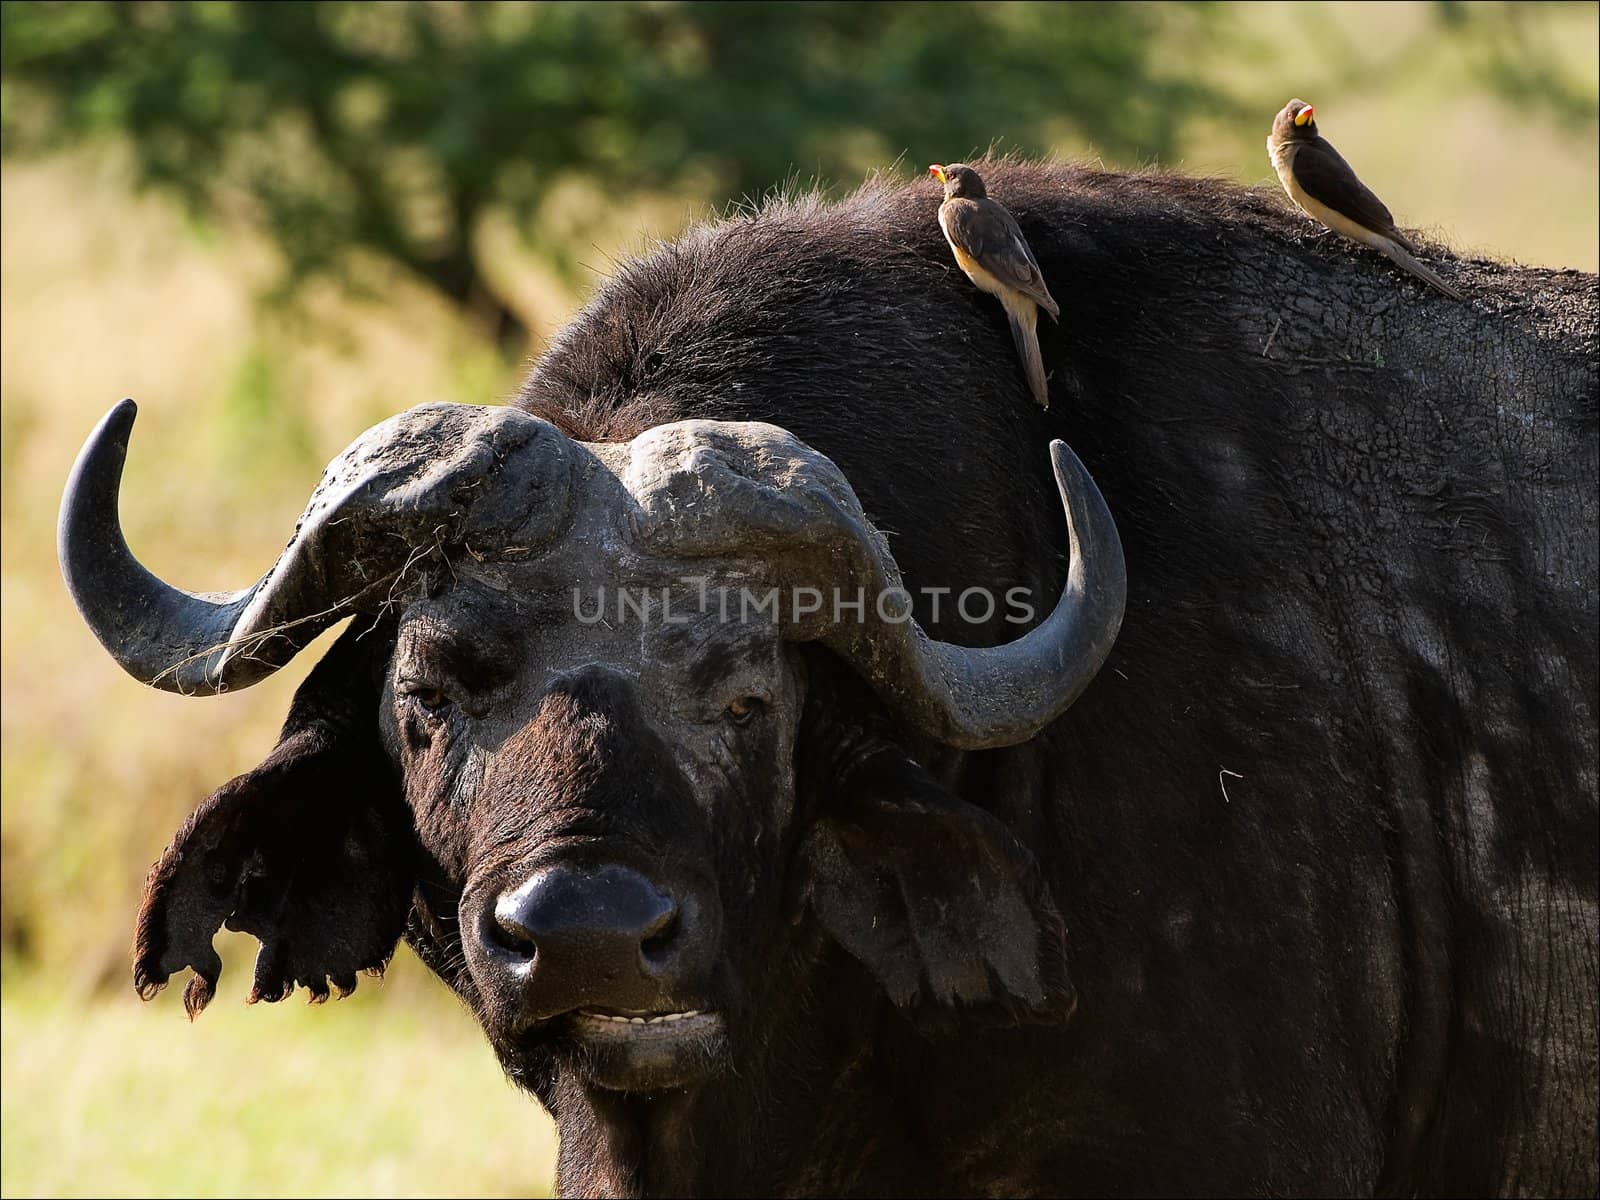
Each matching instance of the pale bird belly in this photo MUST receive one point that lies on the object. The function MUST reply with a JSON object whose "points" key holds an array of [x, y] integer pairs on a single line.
{"points": [[973, 268], [978, 275], [1336, 221]]}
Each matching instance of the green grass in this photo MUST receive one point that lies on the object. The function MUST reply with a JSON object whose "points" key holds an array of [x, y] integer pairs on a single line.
{"points": [[390, 1092]]}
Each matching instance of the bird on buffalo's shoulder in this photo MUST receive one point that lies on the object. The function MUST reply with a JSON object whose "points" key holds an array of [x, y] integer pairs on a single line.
{"points": [[989, 247], [1319, 180]]}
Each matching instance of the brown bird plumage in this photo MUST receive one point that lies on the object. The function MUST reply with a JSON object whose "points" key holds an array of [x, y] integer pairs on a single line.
{"points": [[1319, 180], [990, 249]]}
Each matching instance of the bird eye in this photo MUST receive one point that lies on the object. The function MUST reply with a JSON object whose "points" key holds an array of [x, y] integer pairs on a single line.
{"points": [[743, 709]]}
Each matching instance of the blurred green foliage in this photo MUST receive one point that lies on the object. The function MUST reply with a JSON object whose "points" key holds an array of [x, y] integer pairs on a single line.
{"points": [[393, 128], [1504, 54]]}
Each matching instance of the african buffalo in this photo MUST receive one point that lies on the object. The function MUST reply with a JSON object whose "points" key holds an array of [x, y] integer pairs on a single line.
{"points": [[1298, 896]]}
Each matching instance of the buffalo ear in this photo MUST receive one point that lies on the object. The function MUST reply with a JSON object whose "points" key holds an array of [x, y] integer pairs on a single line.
{"points": [[935, 897], [311, 852]]}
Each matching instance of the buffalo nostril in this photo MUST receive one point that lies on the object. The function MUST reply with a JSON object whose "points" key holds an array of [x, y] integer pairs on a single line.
{"points": [[657, 943], [507, 930]]}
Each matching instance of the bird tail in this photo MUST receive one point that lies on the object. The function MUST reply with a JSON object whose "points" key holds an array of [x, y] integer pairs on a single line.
{"points": [[1406, 262], [1024, 318]]}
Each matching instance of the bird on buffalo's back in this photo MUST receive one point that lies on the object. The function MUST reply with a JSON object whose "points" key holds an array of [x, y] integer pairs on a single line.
{"points": [[1319, 180], [990, 249]]}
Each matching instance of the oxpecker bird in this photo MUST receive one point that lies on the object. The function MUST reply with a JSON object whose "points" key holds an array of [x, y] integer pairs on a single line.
{"points": [[989, 247], [1319, 180]]}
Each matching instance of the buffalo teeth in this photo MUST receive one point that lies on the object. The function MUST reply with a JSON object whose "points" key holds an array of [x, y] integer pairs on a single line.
{"points": [[657, 1020]]}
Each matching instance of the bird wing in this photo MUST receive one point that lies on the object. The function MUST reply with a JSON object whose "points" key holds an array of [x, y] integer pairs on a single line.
{"points": [[1325, 176], [990, 235]]}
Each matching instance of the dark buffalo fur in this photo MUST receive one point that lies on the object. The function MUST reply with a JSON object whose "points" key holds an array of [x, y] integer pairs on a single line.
{"points": [[1319, 844]]}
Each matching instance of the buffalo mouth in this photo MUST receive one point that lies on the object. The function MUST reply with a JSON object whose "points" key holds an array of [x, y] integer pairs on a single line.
{"points": [[627, 1051]]}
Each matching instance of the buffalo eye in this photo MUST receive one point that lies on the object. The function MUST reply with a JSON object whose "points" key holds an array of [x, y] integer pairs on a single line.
{"points": [[427, 696], [743, 710]]}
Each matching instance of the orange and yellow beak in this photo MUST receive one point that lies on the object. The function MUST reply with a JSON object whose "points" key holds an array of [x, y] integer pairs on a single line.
{"points": [[937, 171], [1303, 117]]}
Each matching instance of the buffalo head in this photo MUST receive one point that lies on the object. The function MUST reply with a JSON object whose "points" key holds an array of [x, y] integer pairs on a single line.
{"points": [[622, 738]]}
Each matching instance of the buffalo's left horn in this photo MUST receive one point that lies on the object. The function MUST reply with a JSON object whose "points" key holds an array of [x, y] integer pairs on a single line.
{"points": [[709, 488], [976, 698], [402, 490]]}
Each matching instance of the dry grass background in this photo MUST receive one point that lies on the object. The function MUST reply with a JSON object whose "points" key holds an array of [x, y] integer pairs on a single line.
{"points": [[107, 294]]}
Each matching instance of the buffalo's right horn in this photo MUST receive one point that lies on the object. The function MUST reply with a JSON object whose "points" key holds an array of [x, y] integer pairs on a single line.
{"points": [[405, 488]]}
